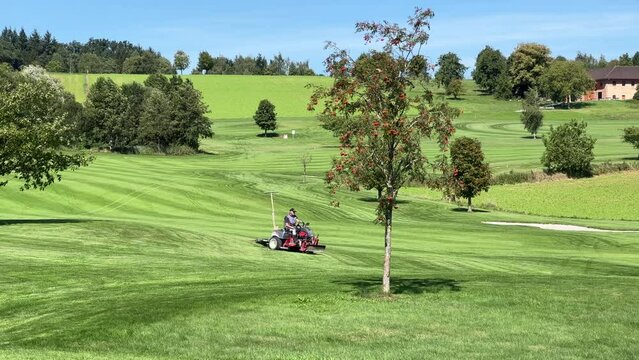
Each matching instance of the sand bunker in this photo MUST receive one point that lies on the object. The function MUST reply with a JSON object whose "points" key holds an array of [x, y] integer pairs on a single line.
{"points": [[557, 227]]}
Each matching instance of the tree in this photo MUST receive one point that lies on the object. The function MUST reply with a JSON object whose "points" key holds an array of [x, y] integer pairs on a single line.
{"points": [[625, 60], [531, 116], [265, 116], [181, 60], [565, 80], [104, 117], [631, 136], [569, 149], [503, 88], [526, 64], [33, 131], [489, 66], [471, 173], [204, 62], [380, 125], [635, 59], [450, 68], [155, 122], [636, 96], [455, 88], [306, 159]]}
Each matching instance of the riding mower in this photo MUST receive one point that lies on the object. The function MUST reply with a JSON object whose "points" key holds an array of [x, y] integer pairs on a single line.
{"points": [[303, 240]]}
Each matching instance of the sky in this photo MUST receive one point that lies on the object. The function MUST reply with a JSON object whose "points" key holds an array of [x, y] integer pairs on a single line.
{"points": [[299, 29]]}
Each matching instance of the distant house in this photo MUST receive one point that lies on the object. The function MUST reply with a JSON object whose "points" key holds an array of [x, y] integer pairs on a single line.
{"points": [[614, 83]]}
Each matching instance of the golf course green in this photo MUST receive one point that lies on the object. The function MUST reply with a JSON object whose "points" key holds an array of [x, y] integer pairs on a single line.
{"points": [[153, 257]]}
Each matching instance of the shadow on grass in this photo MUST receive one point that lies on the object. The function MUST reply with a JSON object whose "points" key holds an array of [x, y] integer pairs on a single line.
{"points": [[632, 158], [268, 135], [4, 222], [573, 106], [465, 209], [410, 286], [372, 199], [531, 137]]}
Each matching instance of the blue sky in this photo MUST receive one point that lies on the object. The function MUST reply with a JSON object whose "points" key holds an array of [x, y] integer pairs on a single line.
{"points": [[298, 29]]}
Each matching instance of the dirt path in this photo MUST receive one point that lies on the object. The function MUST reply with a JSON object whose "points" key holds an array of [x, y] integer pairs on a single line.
{"points": [[557, 227]]}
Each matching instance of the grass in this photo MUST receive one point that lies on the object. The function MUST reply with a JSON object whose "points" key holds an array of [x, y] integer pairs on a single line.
{"points": [[152, 257]]}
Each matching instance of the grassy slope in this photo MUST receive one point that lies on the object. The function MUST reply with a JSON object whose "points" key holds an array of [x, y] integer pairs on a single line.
{"points": [[151, 257]]}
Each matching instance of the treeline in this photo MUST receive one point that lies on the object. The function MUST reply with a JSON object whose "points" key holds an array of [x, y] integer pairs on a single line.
{"points": [[248, 65], [95, 56], [531, 66]]}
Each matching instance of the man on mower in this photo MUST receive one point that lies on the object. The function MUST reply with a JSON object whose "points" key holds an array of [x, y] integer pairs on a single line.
{"points": [[290, 222]]}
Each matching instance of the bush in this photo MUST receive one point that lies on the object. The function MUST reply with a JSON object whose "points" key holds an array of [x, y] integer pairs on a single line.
{"points": [[636, 97], [631, 136], [569, 150], [610, 167]]}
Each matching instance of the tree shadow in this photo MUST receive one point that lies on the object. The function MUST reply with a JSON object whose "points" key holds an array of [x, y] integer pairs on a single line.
{"points": [[465, 209], [373, 199], [531, 137], [573, 106], [410, 286], [4, 222], [268, 135], [633, 158], [481, 92], [455, 99]]}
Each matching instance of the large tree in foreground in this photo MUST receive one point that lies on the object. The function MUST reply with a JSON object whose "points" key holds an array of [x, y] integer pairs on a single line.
{"points": [[34, 130], [380, 118]]}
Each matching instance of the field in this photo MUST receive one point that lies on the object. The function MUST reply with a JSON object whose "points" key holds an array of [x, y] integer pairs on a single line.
{"points": [[152, 257]]}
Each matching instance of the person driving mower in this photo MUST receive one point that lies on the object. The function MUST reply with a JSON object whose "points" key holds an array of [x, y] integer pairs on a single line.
{"points": [[290, 222]]}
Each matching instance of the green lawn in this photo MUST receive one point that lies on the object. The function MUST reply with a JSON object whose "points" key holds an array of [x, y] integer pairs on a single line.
{"points": [[152, 257]]}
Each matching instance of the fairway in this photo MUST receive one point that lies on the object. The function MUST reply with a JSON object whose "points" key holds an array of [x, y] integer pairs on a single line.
{"points": [[153, 257]]}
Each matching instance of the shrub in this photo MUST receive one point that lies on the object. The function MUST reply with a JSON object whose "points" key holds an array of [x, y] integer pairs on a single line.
{"points": [[569, 150], [631, 136]]}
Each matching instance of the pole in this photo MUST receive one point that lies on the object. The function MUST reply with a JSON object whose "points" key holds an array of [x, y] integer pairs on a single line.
{"points": [[273, 212]]}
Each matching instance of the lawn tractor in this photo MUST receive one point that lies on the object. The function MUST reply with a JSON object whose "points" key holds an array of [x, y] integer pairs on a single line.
{"points": [[302, 239]]}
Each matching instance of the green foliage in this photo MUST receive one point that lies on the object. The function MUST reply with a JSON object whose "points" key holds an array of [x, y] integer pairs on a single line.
{"points": [[34, 130], [180, 60], [569, 149], [450, 68], [531, 116], [565, 80], [470, 172], [526, 65], [631, 136], [265, 116], [155, 123], [104, 122], [455, 88], [636, 96], [503, 87], [489, 67], [146, 63]]}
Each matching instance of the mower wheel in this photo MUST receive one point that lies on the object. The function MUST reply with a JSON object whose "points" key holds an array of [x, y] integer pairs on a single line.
{"points": [[274, 243]]}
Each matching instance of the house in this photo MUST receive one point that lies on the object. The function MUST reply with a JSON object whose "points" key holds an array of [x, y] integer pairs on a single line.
{"points": [[614, 83]]}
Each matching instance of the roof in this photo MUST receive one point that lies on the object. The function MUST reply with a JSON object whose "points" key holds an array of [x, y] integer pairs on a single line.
{"points": [[616, 72]]}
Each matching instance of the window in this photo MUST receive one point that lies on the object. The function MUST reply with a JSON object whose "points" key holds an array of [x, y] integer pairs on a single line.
{"points": [[623, 83], [623, 97], [614, 97], [633, 83], [614, 83]]}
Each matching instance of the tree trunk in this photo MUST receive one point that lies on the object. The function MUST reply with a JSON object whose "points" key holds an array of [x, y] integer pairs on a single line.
{"points": [[379, 193], [265, 132], [534, 136], [470, 208], [387, 251]]}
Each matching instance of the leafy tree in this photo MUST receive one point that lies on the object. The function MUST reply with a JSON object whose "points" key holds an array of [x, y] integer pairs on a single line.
{"points": [[631, 136], [588, 60], [503, 87], [180, 60], [188, 113], [636, 96], [155, 123], [526, 65], [471, 173], [531, 116], [455, 88], [380, 125], [134, 93], [205, 62], [489, 66], [565, 80], [635, 59], [450, 68], [104, 117], [265, 116], [569, 149], [33, 131]]}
